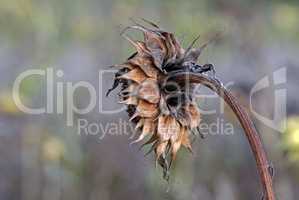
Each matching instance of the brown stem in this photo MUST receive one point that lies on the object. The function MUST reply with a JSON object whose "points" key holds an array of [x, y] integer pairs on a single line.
{"points": [[247, 124]]}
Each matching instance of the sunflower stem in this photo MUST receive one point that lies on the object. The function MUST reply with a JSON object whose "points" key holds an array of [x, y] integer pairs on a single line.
{"points": [[245, 121]]}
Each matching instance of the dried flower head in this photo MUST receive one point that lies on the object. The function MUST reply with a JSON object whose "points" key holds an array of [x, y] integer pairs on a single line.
{"points": [[161, 103], [162, 108]]}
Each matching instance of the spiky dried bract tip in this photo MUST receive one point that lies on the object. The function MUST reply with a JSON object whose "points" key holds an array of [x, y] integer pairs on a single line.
{"points": [[162, 109]]}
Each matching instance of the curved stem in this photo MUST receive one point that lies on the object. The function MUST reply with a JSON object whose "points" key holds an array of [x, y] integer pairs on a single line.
{"points": [[244, 119]]}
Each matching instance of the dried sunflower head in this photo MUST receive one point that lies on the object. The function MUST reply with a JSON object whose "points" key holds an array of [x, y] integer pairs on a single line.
{"points": [[161, 108]]}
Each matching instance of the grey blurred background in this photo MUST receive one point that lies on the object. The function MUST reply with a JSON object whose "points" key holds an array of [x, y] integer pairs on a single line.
{"points": [[42, 158]]}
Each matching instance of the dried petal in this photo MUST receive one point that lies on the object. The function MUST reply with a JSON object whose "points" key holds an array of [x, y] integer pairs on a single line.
{"points": [[175, 145], [130, 101], [156, 45], [186, 141], [151, 23], [146, 65], [148, 128], [139, 123], [167, 127], [145, 109], [160, 149], [136, 75], [154, 138], [149, 91], [140, 46], [163, 106], [124, 65], [131, 90], [194, 115]]}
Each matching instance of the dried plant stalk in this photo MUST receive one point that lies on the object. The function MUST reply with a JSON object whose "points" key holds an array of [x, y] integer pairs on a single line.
{"points": [[244, 119], [156, 85]]}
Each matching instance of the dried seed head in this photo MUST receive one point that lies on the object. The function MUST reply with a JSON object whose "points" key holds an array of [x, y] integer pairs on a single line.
{"points": [[162, 109]]}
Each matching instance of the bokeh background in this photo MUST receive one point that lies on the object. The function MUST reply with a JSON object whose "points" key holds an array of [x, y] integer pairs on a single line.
{"points": [[42, 158]]}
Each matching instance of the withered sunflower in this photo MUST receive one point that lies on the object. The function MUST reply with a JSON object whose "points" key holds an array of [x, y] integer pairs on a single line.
{"points": [[160, 107]]}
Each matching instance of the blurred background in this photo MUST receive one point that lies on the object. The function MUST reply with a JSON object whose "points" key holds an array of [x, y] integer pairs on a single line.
{"points": [[42, 158]]}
